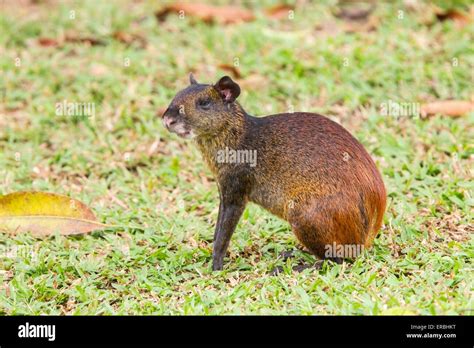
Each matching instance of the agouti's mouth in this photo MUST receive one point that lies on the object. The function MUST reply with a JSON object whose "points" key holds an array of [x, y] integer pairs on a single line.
{"points": [[178, 128], [188, 134]]}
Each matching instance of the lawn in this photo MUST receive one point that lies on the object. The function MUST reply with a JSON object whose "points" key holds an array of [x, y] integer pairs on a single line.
{"points": [[133, 173]]}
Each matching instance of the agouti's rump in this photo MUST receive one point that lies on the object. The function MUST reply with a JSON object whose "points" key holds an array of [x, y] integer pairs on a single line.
{"points": [[319, 178]]}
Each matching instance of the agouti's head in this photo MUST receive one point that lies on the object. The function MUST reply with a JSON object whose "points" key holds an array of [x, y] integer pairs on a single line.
{"points": [[202, 110]]}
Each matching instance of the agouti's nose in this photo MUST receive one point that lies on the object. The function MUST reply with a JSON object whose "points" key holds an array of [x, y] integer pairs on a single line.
{"points": [[168, 121]]}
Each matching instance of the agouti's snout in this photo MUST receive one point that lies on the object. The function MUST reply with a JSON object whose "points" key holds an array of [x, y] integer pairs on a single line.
{"points": [[176, 123]]}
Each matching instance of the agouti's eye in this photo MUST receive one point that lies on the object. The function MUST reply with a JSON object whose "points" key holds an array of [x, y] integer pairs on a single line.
{"points": [[204, 104]]}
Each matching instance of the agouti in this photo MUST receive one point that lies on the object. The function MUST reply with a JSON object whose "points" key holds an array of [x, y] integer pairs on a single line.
{"points": [[302, 167]]}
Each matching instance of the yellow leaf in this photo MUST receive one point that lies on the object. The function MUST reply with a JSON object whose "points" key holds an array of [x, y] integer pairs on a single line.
{"points": [[43, 214]]}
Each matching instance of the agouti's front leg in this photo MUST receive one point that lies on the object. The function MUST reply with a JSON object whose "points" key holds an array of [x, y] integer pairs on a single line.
{"points": [[231, 207]]}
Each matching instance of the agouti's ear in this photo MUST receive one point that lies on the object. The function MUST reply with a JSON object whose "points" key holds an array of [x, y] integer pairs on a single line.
{"points": [[228, 89], [192, 80]]}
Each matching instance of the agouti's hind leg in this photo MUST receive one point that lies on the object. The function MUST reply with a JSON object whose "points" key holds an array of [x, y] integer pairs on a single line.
{"points": [[325, 224]]}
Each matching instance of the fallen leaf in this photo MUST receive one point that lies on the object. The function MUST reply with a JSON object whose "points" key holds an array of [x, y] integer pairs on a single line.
{"points": [[122, 37], [447, 107], [129, 39], [84, 39], [460, 18], [47, 42], [232, 69], [153, 147], [357, 17], [355, 27], [43, 214], [207, 13], [279, 11], [355, 12], [253, 82]]}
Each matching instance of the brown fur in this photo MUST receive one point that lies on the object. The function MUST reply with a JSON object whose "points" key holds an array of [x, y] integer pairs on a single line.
{"points": [[310, 171]]}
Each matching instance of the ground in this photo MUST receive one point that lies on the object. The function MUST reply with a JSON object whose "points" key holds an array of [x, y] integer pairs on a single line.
{"points": [[135, 174]]}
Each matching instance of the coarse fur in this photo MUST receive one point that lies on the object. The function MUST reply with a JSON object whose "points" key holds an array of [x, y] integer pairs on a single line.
{"points": [[309, 170]]}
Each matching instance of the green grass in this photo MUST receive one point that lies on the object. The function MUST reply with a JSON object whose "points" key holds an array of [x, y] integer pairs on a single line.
{"points": [[132, 172]]}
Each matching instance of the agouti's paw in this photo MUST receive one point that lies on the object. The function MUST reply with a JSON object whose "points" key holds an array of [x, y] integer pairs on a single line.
{"points": [[217, 266], [298, 268], [288, 254]]}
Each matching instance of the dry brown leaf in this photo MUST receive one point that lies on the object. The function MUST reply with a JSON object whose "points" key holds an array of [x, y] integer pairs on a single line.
{"points": [[355, 27], [232, 69], [85, 39], [207, 13], [72, 38], [447, 107], [355, 12], [253, 82], [357, 17], [279, 11], [153, 147], [129, 39], [123, 37], [48, 42], [460, 18]]}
